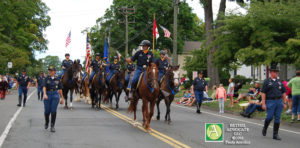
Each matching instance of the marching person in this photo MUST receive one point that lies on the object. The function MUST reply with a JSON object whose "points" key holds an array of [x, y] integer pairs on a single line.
{"points": [[129, 69], [143, 58], [95, 65], [199, 85], [113, 68], [23, 83], [273, 101], [163, 65], [52, 89], [66, 64], [38, 85]]}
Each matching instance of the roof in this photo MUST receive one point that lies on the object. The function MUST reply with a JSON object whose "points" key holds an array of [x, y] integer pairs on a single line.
{"points": [[191, 46]]}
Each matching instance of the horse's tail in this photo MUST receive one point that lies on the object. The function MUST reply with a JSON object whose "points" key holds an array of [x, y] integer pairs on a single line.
{"points": [[132, 106]]}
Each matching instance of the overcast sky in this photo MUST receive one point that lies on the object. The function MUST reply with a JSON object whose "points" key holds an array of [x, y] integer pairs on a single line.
{"points": [[76, 15]]}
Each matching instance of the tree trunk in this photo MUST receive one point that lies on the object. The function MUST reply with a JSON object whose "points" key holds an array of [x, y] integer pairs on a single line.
{"points": [[283, 72]]}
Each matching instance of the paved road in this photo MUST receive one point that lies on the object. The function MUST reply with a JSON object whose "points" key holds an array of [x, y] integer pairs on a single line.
{"points": [[85, 127]]}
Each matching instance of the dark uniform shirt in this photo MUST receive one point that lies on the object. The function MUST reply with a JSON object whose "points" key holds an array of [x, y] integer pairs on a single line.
{"points": [[273, 89], [67, 64], [114, 66], [163, 65], [40, 80], [142, 58], [52, 84], [23, 80], [96, 65], [130, 67], [199, 84]]}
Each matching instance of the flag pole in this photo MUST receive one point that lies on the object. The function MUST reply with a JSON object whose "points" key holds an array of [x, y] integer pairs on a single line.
{"points": [[153, 35]]}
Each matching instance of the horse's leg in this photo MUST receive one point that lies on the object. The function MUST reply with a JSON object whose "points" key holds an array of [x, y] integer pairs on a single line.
{"points": [[171, 98], [100, 99], [152, 106], [111, 95], [65, 94], [71, 98], [158, 110], [167, 100], [93, 98], [117, 95], [144, 111]]}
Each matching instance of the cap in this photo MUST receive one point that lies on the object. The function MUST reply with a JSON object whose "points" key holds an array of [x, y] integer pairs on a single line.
{"points": [[97, 54], [23, 70], [145, 42], [200, 72], [274, 67]]}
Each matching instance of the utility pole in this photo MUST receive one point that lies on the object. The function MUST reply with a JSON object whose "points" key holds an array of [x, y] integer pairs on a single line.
{"points": [[126, 11], [174, 55]]}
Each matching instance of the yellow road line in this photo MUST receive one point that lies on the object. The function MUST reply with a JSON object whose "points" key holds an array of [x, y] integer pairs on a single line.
{"points": [[171, 141]]}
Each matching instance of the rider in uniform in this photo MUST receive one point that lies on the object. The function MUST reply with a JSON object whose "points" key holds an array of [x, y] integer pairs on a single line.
{"points": [[113, 68], [129, 68], [95, 65], [52, 88], [143, 58], [163, 65], [199, 85], [39, 87], [273, 101], [23, 83], [66, 63]]}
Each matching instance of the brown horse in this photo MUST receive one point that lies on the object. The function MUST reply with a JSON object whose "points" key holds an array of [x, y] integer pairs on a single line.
{"points": [[69, 82], [84, 90], [116, 85], [169, 83], [98, 89], [148, 90]]}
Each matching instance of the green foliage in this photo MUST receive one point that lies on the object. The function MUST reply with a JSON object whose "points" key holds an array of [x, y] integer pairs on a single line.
{"points": [[22, 23], [51, 61], [241, 79], [196, 62], [267, 33], [190, 26]]}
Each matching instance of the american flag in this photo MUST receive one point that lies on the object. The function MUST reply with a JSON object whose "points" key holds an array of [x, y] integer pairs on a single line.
{"points": [[166, 31], [68, 40], [88, 52]]}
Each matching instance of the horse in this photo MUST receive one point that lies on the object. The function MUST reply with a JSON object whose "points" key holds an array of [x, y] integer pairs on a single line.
{"points": [[169, 83], [148, 90], [84, 89], [116, 85], [69, 82], [98, 89]]}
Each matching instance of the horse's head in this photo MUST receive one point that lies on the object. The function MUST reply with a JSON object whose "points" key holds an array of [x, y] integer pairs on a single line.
{"points": [[76, 70], [152, 72], [173, 75], [121, 77]]}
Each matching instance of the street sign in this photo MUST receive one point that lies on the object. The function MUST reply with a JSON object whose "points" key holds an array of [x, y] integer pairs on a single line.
{"points": [[9, 64]]}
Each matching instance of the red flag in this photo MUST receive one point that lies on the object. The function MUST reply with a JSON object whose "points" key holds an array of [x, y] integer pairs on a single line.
{"points": [[88, 53], [155, 30]]}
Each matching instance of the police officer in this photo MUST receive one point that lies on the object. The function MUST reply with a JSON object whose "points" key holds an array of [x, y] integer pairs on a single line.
{"points": [[143, 57], [199, 85], [113, 68], [66, 64], [163, 65], [129, 68], [273, 101], [52, 88], [38, 85], [23, 83], [95, 65]]}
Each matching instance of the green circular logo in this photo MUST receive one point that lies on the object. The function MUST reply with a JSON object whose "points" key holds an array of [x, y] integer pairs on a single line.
{"points": [[214, 131]]}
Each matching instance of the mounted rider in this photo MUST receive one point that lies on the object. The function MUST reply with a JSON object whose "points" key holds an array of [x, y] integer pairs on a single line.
{"points": [[163, 65], [66, 64], [95, 65], [129, 69], [113, 69], [143, 58]]}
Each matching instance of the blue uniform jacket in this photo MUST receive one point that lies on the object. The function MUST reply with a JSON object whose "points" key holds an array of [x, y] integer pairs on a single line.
{"points": [[67, 64], [142, 58]]}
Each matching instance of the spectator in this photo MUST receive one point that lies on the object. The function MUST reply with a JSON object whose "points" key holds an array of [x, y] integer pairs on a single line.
{"points": [[3, 87], [289, 97], [253, 93], [252, 107], [294, 84], [221, 97], [186, 97], [230, 91]]}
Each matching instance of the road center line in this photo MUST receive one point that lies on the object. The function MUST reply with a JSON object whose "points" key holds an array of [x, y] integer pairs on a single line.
{"points": [[172, 142], [11, 122], [237, 119]]}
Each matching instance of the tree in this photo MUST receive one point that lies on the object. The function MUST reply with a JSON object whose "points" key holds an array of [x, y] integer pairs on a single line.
{"points": [[51, 61]]}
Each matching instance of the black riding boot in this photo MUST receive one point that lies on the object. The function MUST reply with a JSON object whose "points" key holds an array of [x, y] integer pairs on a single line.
{"points": [[198, 107], [24, 101], [275, 131], [46, 120], [39, 96], [266, 125], [53, 118], [20, 100]]}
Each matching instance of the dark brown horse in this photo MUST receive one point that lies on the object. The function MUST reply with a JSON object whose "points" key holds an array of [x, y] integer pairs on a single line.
{"points": [[168, 86], [148, 90], [69, 82], [98, 89], [116, 85]]}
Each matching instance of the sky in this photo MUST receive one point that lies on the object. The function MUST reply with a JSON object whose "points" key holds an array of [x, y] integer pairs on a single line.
{"points": [[77, 15]]}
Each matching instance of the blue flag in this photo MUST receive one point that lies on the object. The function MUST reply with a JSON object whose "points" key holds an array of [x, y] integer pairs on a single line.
{"points": [[106, 55]]}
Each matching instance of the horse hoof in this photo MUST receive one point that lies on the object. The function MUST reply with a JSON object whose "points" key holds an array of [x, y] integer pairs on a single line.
{"points": [[153, 118], [65, 107], [158, 117], [71, 108], [169, 122]]}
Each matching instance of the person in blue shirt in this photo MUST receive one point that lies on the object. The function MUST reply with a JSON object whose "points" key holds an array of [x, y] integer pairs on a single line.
{"points": [[143, 58], [273, 101], [129, 69], [39, 87], [163, 65], [66, 64], [23, 83], [95, 66], [52, 89], [113, 69], [199, 85]]}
